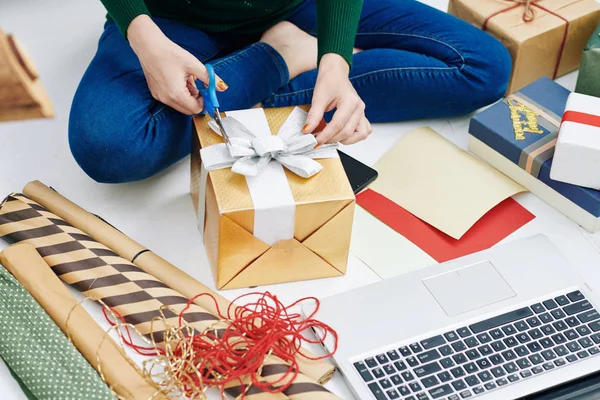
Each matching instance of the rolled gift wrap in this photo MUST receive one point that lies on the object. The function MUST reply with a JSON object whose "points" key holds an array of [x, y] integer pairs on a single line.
{"points": [[98, 272], [302, 388], [33, 273], [235, 389], [115, 240], [123, 245], [141, 299], [577, 153]]}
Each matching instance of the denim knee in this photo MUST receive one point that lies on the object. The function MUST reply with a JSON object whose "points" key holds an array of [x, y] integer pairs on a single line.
{"points": [[103, 148], [489, 68]]}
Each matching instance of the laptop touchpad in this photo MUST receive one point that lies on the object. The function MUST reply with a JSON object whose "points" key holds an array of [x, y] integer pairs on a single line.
{"points": [[469, 288]]}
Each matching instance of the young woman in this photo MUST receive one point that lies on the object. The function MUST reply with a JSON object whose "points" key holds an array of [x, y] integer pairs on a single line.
{"points": [[381, 61]]}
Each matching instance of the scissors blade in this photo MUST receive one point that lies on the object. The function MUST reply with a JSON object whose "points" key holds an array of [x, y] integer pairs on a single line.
{"points": [[217, 118]]}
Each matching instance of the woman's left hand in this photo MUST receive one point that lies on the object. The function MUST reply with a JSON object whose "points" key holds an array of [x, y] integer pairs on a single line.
{"points": [[334, 91]]}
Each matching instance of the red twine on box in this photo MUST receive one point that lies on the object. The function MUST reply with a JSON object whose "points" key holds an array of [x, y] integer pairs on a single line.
{"points": [[261, 328], [529, 16]]}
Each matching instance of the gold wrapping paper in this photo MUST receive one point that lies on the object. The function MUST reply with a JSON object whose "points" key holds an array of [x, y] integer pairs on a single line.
{"points": [[535, 46], [90, 339], [323, 221], [320, 371], [100, 273], [124, 246], [303, 387]]}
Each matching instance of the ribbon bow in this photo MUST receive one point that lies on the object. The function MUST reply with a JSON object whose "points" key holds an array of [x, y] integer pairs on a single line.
{"points": [[528, 11], [248, 153]]}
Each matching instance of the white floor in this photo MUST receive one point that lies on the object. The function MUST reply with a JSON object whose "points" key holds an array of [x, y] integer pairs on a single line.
{"points": [[61, 36]]}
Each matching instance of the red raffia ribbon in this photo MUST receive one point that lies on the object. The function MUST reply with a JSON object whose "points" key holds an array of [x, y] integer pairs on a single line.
{"points": [[262, 327], [529, 16]]}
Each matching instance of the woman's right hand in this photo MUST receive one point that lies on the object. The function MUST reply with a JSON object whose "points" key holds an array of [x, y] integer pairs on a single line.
{"points": [[170, 71]]}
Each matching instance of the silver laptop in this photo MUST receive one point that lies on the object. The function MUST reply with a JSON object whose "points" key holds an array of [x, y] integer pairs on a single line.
{"points": [[496, 325]]}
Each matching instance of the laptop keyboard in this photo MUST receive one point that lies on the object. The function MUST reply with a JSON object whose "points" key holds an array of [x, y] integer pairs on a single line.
{"points": [[487, 355]]}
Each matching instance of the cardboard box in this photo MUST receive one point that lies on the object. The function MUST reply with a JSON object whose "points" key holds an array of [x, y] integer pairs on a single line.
{"points": [[517, 136], [577, 154], [588, 81], [535, 46], [322, 220]]}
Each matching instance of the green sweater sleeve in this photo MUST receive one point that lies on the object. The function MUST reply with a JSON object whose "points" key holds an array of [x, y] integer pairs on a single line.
{"points": [[124, 11], [337, 23]]}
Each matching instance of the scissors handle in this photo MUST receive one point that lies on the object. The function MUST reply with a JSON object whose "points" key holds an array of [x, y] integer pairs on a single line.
{"points": [[209, 94]]}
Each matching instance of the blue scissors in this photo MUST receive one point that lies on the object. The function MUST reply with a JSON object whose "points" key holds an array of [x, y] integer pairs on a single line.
{"points": [[211, 103]]}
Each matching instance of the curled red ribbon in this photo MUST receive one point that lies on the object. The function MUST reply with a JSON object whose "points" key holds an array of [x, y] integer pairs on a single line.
{"points": [[529, 16]]}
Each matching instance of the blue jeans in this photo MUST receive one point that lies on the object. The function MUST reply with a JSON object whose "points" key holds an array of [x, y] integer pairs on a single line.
{"points": [[417, 62]]}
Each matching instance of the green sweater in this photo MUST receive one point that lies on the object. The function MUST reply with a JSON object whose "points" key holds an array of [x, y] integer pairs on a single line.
{"points": [[337, 20]]}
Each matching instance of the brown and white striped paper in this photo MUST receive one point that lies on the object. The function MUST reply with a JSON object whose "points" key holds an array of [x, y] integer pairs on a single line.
{"points": [[102, 232], [97, 271], [138, 297], [104, 354], [302, 388]]}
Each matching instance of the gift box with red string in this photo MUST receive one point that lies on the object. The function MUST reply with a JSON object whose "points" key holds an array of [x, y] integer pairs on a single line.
{"points": [[518, 136], [577, 152], [544, 37]]}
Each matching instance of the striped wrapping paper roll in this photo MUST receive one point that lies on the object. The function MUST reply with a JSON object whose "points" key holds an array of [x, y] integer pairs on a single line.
{"points": [[103, 353], [37, 353], [319, 370], [303, 387], [97, 271], [100, 273], [273, 370]]}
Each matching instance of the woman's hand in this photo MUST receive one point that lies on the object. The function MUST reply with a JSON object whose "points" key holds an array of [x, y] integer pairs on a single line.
{"points": [[334, 90], [170, 71]]}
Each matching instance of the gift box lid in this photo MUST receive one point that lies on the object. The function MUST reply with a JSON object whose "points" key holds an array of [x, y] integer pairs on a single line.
{"points": [[494, 127]]}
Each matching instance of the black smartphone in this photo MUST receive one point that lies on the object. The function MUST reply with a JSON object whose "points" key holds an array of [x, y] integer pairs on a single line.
{"points": [[359, 174]]}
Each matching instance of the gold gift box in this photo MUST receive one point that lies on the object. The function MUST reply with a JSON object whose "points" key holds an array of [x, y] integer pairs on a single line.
{"points": [[322, 230], [534, 46]]}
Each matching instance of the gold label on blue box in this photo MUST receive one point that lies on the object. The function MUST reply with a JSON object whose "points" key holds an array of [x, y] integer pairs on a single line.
{"points": [[520, 125]]}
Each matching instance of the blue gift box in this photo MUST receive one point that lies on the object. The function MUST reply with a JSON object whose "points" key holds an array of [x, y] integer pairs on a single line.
{"points": [[522, 129]]}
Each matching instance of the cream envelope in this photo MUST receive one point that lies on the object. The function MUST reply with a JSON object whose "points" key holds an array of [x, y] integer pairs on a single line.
{"points": [[440, 183], [324, 210]]}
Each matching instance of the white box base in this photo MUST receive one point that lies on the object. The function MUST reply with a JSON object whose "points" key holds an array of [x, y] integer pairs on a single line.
{"points": [[588, 221]]}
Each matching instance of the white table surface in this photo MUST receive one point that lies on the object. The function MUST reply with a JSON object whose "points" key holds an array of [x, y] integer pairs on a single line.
{"points": [[61, 36]]}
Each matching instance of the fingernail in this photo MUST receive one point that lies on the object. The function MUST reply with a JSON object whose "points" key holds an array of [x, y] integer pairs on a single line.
{"points": [[304, 128], [222, 85]]}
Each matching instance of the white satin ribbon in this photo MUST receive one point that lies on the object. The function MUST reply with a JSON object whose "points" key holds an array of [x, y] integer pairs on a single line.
{"points": [[250, 151], [254, 152]]}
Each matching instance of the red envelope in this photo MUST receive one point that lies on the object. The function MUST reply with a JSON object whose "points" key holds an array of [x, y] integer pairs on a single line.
{"points": [[498, 223]]}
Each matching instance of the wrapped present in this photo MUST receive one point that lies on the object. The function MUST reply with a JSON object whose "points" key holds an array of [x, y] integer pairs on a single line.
{"points": [[271, 208], [517, 136], [544, 37], [577, 155], [588, 81]]}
